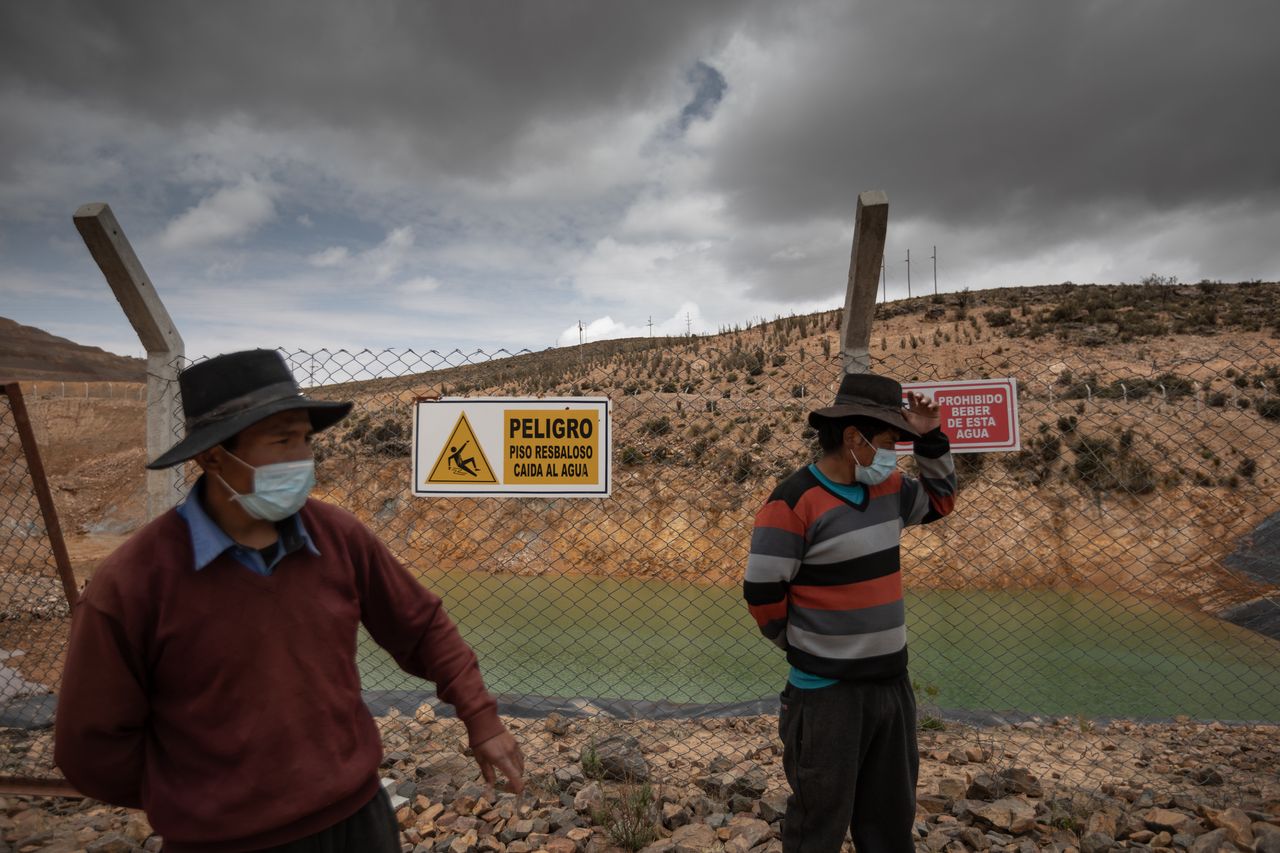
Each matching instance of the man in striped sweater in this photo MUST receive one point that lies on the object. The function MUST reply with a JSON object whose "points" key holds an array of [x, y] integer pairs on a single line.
{"points": [[824, 583]]}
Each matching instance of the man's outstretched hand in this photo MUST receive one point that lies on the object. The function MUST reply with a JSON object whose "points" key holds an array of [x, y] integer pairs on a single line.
{"points": [[922, 413], [501, 754]]}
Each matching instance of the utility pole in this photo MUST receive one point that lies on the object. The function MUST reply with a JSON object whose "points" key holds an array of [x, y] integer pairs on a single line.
{"points": [[908, 273], [935, 270], [650, 325], [884, 282], [579, 333], [869, 228], [688, 325]]}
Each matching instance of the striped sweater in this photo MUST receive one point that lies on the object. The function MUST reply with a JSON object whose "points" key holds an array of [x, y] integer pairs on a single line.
{"points": [[823, 577]]}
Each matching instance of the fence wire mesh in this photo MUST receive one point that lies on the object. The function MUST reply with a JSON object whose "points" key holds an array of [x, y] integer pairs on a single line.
{"points": [[1117, 576], [1101, 573], [34, 615]]}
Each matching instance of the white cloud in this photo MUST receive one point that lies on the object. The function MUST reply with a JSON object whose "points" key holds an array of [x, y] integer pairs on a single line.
{"points": [[688, 318], [682, 216], [419, 286], [230, 213], [382, 261], [333, 256]]}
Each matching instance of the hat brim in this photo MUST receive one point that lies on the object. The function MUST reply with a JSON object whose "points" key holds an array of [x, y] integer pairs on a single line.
{"points": [[886, 414], [323, 413]]}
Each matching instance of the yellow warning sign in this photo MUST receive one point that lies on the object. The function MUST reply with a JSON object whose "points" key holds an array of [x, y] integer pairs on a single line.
{"points": [[461, 460], [551, 446]]}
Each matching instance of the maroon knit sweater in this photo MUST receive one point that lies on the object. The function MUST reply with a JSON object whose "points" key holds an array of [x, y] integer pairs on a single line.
{"points": [[227, 704]]}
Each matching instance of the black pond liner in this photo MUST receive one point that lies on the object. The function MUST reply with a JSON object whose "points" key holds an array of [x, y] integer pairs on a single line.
{"points": [[1257, 556]]}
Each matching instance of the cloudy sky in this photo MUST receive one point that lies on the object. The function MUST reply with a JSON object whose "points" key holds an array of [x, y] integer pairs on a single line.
{"points": [[486, 174]]}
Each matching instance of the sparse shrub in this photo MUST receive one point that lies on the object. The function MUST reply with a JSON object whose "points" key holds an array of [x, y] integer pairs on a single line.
{"points": [[1270, 408], [927, 718], [657, 426], [1203, 479], [387, 439], [629, 455], [999, 317], [744, 467], [630, 817], [591, 766], [1104, 467], [764, 433]]}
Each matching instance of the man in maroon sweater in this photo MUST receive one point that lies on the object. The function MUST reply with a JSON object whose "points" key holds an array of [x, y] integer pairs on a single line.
{"points": [[211, 676]]}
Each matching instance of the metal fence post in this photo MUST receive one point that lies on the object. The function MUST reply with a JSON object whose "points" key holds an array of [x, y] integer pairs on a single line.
{"points": [[114, 255]]}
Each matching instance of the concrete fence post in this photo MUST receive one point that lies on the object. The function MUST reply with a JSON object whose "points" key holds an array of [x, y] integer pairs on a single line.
{"points": [[109, 247], [869, 228]]}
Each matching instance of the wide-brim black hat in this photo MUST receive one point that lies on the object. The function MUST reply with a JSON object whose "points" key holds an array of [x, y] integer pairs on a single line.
{"points": [[229, 393], [870, 396]]}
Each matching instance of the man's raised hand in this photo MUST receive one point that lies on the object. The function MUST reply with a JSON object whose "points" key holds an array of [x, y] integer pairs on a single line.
{"points": [[922, 413]]}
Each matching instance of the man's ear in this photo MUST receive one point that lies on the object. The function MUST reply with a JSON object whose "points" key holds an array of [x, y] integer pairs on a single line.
{"points": [[210, 460], [855, 439]]}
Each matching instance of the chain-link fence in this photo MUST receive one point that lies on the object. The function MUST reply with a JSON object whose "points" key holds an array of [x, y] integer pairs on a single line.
{"points": [[1121, 566], [35, 586], [101, 389], [1106, 570]]}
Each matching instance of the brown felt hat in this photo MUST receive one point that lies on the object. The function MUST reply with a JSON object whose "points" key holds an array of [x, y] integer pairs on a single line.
{"points": [[229, 393], [870, 396]]}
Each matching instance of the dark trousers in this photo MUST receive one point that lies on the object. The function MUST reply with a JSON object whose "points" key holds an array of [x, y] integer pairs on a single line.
{"points": [[849, 752], [373, 829]]}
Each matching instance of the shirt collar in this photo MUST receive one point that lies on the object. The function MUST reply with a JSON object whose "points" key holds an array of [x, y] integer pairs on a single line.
{"points": [[852, 493], [209, 541]]}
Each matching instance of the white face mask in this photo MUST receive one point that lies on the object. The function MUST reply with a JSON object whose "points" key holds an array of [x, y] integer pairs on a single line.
{"points": [[884, 464], [279, 490]]}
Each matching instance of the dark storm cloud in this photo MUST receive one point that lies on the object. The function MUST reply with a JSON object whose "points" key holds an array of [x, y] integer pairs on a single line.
{"points": [[459, 80], [1001, 110], [701, 150], [708, 89]]}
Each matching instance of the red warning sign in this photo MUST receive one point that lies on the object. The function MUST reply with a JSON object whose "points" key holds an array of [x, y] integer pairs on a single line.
{"points": [[978, 415]]}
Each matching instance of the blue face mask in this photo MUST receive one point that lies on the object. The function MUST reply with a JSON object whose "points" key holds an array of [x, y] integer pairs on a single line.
{"points": [[884, 464], [279, 490]]}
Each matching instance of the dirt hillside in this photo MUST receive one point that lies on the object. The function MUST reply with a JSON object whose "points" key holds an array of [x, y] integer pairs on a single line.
{"points": [[1150, 423], [30, 353]]}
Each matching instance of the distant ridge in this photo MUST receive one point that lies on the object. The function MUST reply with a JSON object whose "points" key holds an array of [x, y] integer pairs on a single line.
{"points": [[33, 354]]}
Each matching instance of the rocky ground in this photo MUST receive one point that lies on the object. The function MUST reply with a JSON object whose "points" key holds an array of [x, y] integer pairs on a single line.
{"points": [[595, 785]]}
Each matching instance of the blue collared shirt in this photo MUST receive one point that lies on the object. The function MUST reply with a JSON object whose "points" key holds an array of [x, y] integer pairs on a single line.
{"points": [[209, 541]]}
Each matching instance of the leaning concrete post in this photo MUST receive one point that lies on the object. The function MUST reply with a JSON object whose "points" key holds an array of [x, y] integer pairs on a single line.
{"points": [[869, 228], [115, 257]]}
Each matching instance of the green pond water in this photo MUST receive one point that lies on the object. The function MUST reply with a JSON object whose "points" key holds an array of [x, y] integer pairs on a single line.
{"points": [[1038, 652]]}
